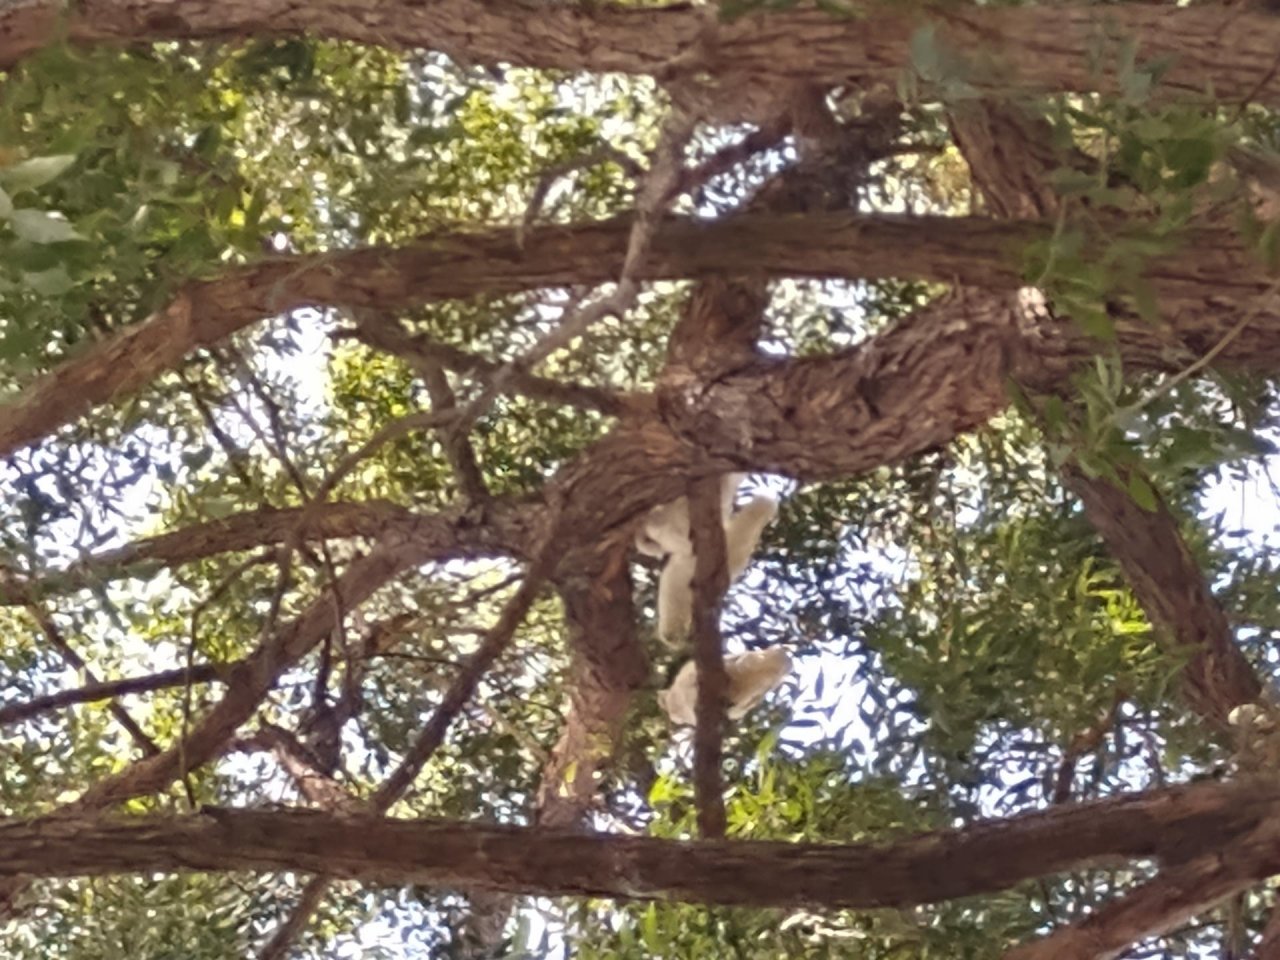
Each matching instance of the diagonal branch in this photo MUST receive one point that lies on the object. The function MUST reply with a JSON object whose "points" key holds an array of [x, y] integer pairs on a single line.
{"points": [[460, 691], [461, 453], [252, 680], [1011, 163], [73, 659], [1172, 589], [665, 167], [1177, 894]]}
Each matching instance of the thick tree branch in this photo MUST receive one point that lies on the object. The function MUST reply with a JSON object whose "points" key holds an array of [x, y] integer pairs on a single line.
{"points": [[1012, 162], [608, 667], [1172, 588], [1177, 825], [1229, 50], [974, 251]]}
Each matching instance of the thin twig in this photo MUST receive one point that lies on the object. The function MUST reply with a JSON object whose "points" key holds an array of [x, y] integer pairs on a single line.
{"points": [[551, 174], [419, 351], [460, 691], [59, 642], [1255, 310], [422, 420], [111, 689], [664, 170]]}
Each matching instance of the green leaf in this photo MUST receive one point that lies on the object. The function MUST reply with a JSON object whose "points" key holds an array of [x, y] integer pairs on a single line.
{"points": [[48, 283], [36, 226], [1142, 493], [6, 205], [36, 172]]}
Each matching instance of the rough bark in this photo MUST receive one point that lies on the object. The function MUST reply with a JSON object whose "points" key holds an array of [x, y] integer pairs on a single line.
{"points": [[1227, 50], [1175, 896], [1172, 589], [609, 666], [1176, 825], [972, 251]]}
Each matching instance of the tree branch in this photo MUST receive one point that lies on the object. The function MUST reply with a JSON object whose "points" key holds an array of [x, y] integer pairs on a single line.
{"points": [[1182, 825], [460, 691], [51, 633], [443, 533], [1172, 589], [110, 689], [418, 351], [1219, 48], [710, 581], [1012, 161], [972, 250], [1177, 894]]}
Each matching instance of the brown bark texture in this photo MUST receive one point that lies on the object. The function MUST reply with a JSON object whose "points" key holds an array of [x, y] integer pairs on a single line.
{"points": [[1178, 826], [973, 251], [1223, 50]]}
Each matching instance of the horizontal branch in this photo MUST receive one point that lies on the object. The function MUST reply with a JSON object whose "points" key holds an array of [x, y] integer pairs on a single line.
{"points": [[968, 250], [1179, 824], [1223, 50]]}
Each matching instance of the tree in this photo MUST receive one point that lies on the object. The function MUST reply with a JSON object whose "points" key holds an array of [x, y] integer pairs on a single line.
{"points": [[343, 348]]}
